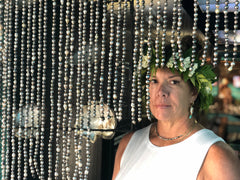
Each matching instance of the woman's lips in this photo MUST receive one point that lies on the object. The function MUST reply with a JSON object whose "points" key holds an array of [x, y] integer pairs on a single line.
{"points": [[163, 106]]}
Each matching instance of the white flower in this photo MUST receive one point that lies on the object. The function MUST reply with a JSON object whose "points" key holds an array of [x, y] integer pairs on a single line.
{"points": [[208, 89], [176, 55], [170, 62], [182, 68], [144, 62], [187, 62], [195, 66]]}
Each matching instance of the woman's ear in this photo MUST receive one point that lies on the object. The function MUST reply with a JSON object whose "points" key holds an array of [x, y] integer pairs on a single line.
{"points": [[194, 95], [194, 91]]}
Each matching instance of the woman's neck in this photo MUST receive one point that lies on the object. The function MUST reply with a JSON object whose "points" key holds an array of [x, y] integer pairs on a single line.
{"points": [[174, 128], [163, 134]]}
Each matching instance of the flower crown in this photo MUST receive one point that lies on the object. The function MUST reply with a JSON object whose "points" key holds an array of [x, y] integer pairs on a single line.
{"points": [[201, 76]]}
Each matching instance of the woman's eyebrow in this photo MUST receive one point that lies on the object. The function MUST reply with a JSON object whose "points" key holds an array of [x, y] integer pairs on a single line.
{"points": [[153, 76], [173, 76]]}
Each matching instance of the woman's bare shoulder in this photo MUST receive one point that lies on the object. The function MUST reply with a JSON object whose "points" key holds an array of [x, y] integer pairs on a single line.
{"points": [[123, 144], [126, 138], [221, 163], [121, 148]]}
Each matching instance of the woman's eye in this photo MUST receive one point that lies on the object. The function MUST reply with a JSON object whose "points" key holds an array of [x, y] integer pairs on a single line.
{"points": [[174, 82], [153, 81]]}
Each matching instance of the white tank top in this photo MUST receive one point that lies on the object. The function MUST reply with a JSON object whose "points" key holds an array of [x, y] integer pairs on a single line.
{"points": [[142, 160]]}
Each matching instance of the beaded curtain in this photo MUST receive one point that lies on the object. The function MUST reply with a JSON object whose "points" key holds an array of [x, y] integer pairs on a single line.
{"points": [[70, 68]]}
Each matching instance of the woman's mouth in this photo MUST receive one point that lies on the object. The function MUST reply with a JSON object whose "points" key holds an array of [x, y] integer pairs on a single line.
{"points": [[163, 106]]}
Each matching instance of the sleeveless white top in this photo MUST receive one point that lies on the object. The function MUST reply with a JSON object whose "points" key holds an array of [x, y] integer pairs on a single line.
{"points": [[142, 160]]}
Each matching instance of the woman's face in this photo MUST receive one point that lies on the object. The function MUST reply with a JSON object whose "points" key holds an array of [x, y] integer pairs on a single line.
{"points": [[170, 96]]}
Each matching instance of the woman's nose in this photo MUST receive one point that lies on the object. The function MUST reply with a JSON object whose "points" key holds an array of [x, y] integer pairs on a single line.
{"points": [[163, 91]]}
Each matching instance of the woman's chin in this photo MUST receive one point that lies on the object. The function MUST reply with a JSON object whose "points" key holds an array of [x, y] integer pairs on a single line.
{"points": [[163, 116]]}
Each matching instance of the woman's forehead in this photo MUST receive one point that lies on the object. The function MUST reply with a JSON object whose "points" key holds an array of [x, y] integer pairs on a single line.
{"points": [[166, 71]]}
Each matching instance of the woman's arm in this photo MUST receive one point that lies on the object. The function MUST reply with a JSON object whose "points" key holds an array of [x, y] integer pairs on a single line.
{"points": [[221, 163], [121, 147]]}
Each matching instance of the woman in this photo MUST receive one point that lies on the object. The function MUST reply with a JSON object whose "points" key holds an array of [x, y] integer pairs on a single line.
{"points": [[176, 146]]}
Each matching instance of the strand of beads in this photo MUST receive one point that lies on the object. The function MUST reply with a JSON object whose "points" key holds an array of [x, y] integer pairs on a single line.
{"points": [[89, 96], [194, 32], [174, 24], [1, 84], [135, 62], [65, 137], [70, 88], [179, 27], [28, 91], [215, 49], [83, 74], [44, 68], [79, 101], [235, 27], [123, 60], [70, 38], [68, 84], [22, 94], [149, 43], [52, 92], [226, 31], [164, 32], [95, 66], [103, 55], [59, 92], [90, 66], [139, 84], [83, 85], [117, 59], [9, 52], [14, 89], [39, 87], [4, 19], [110, 59], [206, 37], [158, 30], [34, 113]]}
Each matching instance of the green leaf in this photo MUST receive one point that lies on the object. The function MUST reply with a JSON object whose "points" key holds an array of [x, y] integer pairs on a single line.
{"points": [[192, 79]]}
